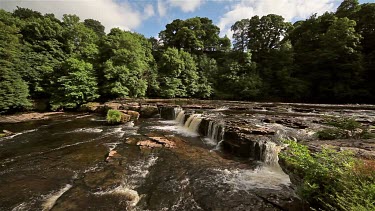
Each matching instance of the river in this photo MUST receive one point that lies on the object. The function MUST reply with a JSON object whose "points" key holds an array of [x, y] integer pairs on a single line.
{"points": [[59, 164]]}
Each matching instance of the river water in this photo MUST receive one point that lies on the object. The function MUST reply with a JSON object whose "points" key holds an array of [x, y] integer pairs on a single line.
{"points": [[59, 164]]}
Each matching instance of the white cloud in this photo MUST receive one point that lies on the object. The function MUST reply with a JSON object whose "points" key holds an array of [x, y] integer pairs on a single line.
{"points": [[110, 13], [149, 10], [162, 8], [186, 6], [289, 9]]}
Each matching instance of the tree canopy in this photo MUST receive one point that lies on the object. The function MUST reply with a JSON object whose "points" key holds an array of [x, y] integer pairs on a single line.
{"points": [[328, 58]]}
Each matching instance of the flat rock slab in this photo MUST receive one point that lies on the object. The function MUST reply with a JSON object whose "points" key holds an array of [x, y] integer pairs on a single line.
{"points": [[157, 142]]}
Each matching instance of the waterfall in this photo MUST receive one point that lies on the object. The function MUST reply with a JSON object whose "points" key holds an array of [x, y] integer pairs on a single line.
{"points": [[192, 123], [195, 124], [269, 154], [215, 131], [176, 111], [180, 117]]}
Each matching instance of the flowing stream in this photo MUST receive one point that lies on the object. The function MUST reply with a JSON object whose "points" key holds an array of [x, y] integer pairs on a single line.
{"points": [[59, 164]]}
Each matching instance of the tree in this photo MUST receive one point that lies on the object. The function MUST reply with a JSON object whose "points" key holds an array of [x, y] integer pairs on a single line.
{"points": [[266, 33], [80, 41], [192, 35], [95, 25], [240, 35], [327, 56], [177, 74], [75, 85], [238, 77], [127, 67], [348, 8], [42, 53], [13, 90]]}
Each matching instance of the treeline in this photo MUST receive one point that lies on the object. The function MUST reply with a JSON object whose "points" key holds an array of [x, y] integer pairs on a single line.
{"points": [[65, 63]]}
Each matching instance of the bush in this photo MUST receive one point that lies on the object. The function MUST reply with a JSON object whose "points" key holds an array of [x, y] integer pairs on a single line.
{"points": [[331, 134], [344, 128], [114, 116], [331, 180]]}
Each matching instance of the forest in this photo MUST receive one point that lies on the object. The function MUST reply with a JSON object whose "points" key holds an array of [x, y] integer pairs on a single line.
{"points": [[66, 63]]}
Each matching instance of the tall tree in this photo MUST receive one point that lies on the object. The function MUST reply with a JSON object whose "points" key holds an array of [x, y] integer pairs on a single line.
{"points": [[240, 35], [192, 35], [95, 25], [126, 64], [177, 74], [348, 8], [13, 90], [75, 85]]}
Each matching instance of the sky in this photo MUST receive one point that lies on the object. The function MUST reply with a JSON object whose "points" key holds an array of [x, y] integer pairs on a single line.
{"points": [[149, 17]]}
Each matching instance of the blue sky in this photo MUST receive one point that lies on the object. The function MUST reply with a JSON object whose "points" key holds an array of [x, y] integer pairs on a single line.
{"points": [[149, 17]]}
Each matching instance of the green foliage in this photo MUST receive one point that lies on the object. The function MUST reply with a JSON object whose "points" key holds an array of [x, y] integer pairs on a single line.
{"points": [[178, 74], [128, 64], [327, 58], [76, 85], [331, 180], [114, 116], [344, 128], [13, 90], [192, 35]]}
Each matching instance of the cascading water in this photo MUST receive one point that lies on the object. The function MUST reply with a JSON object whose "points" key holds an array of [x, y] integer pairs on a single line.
{"points": [[177, 110], [269, 154], [181, 117], [193, 122]]}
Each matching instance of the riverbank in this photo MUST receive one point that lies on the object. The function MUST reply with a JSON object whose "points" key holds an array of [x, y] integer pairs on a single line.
{"points": [[23, 117]]}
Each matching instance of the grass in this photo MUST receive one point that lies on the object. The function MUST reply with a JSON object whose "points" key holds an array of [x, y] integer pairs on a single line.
{"points": [[331, 180]]}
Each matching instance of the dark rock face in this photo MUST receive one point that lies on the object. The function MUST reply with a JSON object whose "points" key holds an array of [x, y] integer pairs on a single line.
{"points": [[168, 113], [148, 111]]}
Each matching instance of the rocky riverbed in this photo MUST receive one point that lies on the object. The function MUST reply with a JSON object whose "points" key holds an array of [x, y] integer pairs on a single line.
{"points": [[178, 155]]}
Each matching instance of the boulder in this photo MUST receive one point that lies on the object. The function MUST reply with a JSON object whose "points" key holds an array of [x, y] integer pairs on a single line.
{"points": [[125, 118], [134, 115], [89, 107], [148, 111]]}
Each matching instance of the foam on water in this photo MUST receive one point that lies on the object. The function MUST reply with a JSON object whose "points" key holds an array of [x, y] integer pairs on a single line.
{"points": [[50, 200], [21, 207], [88, 130], [176, 129], [133, 179], [264, 177], [17, 134], [223, 108]]}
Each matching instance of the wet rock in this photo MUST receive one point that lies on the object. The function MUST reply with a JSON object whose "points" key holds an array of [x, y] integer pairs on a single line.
{"points": [[157, 142], [149, 144], [112, 155], [164, 141], [292, 123], [148, 111], [169, 112], [134, 115], [7, 133], [89, 107]]}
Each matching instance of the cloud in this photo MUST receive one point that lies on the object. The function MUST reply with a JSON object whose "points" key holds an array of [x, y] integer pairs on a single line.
{"points": [[110, 13], [149, 10], [186, 6], [162, 8], [289, 9]]}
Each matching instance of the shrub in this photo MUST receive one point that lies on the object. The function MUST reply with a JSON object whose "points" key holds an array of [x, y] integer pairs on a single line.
{"points": [[332, 180], [114, 116], [344, 128]]}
